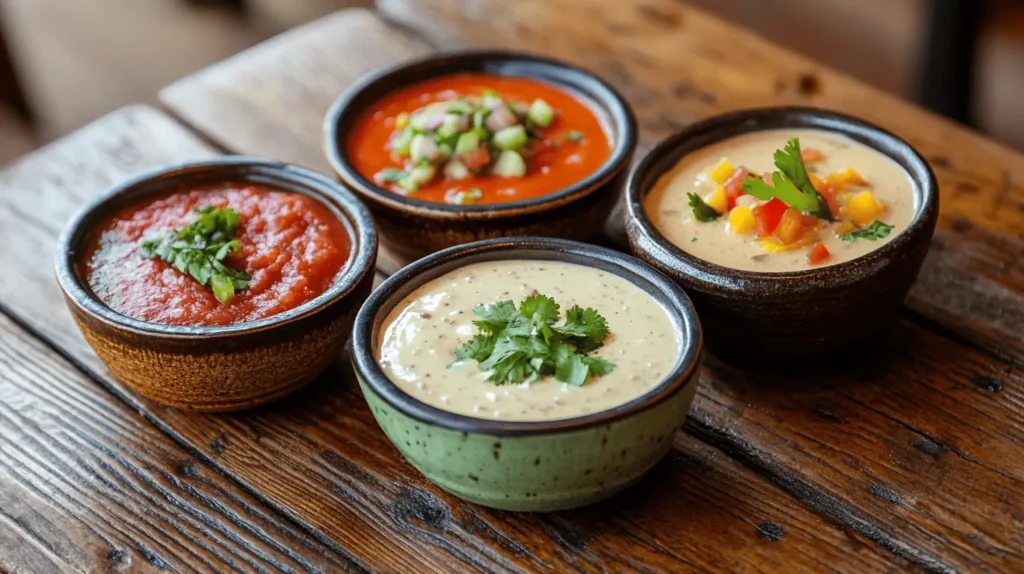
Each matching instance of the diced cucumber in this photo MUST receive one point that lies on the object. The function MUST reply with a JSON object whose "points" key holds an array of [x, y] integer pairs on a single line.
{"points": [[511, 138], [456, 170], [509, 164], [491, 100], [478, 118], [389, 175], [540, 113], [467, 143], [400, 145], [460, 106], [418, 176], [464, 197], [418, 122], [445, 150], [451, 125]]}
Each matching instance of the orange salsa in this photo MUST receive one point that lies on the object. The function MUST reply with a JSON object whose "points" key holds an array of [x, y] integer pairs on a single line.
{"points": [[573, 145], [291, 245]]}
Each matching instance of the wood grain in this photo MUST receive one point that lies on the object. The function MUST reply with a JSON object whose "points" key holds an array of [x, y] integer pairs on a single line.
{"points": [[320, 458]]}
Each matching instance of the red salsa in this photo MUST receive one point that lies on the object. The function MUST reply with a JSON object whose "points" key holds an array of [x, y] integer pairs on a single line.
{"points": [[478, 138], [291, 245]]}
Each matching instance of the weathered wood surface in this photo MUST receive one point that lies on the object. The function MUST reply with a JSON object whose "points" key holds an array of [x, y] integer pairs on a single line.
{"points": [[320, 459], [86, 483], [909, 421]]}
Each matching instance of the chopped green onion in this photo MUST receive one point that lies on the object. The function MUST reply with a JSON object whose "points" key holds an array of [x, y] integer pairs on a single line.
{"points": [[389, 175]]}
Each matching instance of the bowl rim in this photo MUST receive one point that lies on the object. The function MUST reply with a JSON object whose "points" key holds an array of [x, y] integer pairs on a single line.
{"points": [[246, 169], [604, 97], [383, 300], [644, 236]]}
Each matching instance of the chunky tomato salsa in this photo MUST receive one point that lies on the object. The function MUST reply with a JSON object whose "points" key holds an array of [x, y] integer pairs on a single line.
{"points": [[216, 255], [478, 138]]}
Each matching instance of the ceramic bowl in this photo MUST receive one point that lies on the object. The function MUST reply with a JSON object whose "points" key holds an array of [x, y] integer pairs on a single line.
{"points": [[235, 366], [411, 228], [534, 466], [800, 317]]}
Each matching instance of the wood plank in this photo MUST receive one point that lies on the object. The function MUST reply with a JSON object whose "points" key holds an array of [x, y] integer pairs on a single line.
{"points": [[86, 483], [320, 458]]}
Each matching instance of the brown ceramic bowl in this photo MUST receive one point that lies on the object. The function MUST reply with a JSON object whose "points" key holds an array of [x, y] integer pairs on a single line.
{"points": [[798, 317], [235, 366], [411, 228]]}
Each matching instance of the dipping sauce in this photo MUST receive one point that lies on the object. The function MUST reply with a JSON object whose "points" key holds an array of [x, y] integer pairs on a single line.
{"points": [[417, 140], [870, 196], [421, 333], [292, 245]]}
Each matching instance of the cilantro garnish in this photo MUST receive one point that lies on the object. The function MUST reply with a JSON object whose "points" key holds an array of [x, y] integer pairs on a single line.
{"points": [[525, 344], [701, 210], [200, 248], [873, 232], [791, 184]]}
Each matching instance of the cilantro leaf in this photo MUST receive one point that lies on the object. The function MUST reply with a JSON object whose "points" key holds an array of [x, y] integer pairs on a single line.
{"points": [[516, 345], [540, 308], [586, 326], [701, 210], [200, 248], [873, 232], [791, 184]]}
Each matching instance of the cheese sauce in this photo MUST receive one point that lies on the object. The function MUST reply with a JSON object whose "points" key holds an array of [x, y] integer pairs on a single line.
{"points": [[421, 333], [667, 204]]}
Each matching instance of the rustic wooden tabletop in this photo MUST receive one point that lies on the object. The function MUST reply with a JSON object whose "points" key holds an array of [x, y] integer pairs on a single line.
{"points": [[914, 459]]}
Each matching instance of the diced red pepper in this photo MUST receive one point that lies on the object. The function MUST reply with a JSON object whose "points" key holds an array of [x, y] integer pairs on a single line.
{"points": [[811, 155], [734, 185], [477, 157], [768, 215], [818, 254]]}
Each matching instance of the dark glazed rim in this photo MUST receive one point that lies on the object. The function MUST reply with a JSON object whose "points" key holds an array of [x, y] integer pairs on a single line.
{"points": [[669, 151], [382, 301], [342, 203], [605, 101]]}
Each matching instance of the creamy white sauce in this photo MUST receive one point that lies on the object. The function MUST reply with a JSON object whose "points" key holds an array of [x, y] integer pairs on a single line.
{"points": [[420, 335], [667, 203]]}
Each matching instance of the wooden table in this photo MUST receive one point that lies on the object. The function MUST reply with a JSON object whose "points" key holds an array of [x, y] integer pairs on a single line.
{"points": [[913, 460]]}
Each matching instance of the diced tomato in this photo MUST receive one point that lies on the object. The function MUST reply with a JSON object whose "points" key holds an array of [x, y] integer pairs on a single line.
{"points": [[477, 157], [818, 254], [811, 155], [734, 185], [830, 193], [791, 227], [768, 215]]}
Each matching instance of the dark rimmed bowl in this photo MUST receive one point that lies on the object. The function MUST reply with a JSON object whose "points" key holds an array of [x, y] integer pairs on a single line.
{"points": [[235, 366], [411, 228], [823, 314], [547, 465]]}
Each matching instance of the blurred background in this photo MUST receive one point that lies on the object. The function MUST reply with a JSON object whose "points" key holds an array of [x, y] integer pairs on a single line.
{"points": [[63, 63]]}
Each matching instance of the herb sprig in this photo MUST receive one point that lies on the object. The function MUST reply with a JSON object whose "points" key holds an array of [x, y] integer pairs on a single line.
{"points": [[791, 184], [701, 210], [524, 344], [200, 248], [873, 232]]}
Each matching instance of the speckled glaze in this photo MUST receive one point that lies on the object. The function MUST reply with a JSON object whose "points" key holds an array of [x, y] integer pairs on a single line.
{"points": [[799, 318], [411, 228], [542, 465], [235, 366]]}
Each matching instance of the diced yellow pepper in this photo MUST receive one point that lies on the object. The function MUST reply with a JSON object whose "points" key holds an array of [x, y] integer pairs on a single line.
{"points": [[741, 220], [844, 227], [848, 177], [717, 200], [721, 172], [401, 120], [772, 244], [863, 208]]}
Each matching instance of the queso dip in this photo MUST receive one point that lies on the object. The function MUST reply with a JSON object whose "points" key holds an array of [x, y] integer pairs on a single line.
{"points": [[416, 347], [866, 199]]}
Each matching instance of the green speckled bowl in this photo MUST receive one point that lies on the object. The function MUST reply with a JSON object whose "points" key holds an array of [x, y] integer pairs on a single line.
{"points": [[531, 466]]}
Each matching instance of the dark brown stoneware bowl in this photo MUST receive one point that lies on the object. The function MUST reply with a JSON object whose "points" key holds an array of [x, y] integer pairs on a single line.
{"points": [[792, 318], [411, 228], [235, 366]]}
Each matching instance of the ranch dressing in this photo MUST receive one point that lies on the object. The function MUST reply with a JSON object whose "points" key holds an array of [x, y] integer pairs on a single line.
{"points": [[421, 333], [667, 204]]}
